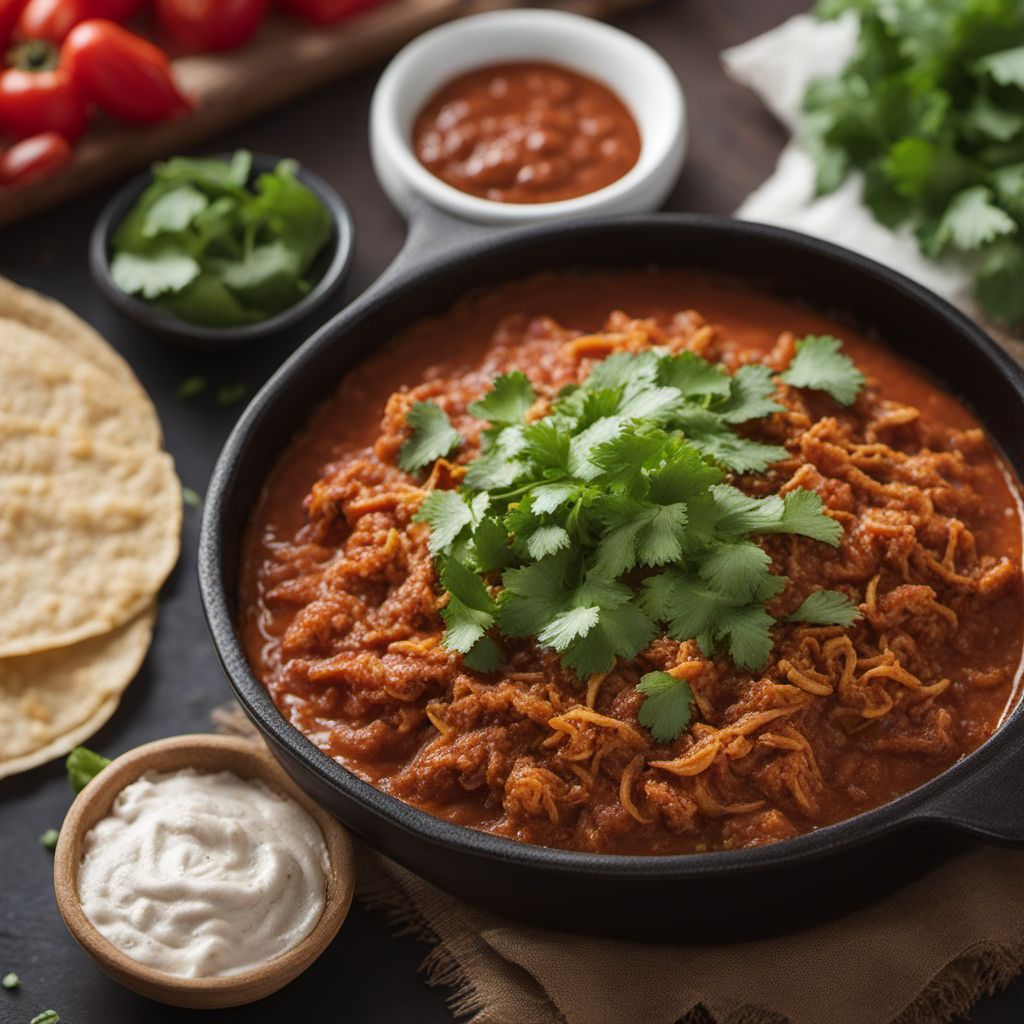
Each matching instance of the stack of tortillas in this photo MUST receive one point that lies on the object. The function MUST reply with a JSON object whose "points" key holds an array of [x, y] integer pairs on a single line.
{"points": [[90, 524]]}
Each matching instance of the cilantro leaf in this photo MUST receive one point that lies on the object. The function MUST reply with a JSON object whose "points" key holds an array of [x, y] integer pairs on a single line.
{"points": [[508, 400], [826, 608], [173, 211], [972, 220], [803, 513], [750, 395], [152, 274], [999, 279], [819, 364], [1005, 67], [447, 513], [667, 705], [692, 375], [711, 436], [83, 765], [432, 438], [470, 610], [737, 569], [546, 540]]}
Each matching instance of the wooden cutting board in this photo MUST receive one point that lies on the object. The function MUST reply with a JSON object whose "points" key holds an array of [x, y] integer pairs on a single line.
{"points": [[287, 58]]}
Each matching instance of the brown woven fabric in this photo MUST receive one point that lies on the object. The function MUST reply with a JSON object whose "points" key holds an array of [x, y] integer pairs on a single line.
{"points": [[922, 956]]}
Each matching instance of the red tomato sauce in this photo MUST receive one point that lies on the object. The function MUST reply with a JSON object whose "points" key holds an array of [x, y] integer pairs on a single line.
{"points": [[339, 600], [526, 133]]}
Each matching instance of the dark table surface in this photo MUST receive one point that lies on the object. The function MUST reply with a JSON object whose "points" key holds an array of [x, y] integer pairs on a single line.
{"points": [[367, 975]]}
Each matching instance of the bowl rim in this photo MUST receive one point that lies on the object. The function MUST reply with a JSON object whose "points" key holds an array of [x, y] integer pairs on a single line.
{"points": [[285, 738], [178, 752], [167, 324], [659, 159]]}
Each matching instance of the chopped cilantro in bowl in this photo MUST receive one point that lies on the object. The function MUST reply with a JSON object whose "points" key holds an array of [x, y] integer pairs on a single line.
{"points": [[221, 248]]}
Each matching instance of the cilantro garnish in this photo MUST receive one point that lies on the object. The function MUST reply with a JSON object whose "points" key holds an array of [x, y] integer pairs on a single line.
{"points": [[826, 608], [610, 520], [46, 1017], [432, 437], [48, 840], [83, 765], [228, 394], [819, 364], [202, 244], [191, 497], [666, 710], [930, 110], [190, 387]]}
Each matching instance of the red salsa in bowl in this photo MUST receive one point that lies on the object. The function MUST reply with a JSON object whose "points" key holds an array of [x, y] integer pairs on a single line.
{"points": [[526, 132]]}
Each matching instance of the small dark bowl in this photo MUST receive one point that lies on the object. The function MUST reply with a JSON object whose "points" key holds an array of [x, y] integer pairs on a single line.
{"points": [[327, 271]]}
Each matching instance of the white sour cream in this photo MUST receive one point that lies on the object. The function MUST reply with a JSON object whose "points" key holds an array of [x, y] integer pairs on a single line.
{"points": [[203, 874]]}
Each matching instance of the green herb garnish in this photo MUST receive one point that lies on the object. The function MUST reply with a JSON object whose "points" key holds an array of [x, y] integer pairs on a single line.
{"points": [[203, 245], [10, 980], [49, 839], [191, 497], [46, 1017], [931, 109], [666, 710], [818, 363], [610, 519], [190, 387], [83, 765], [433, 437], [228, 394]]}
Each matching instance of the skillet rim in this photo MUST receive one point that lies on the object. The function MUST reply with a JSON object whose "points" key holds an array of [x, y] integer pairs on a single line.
{"points": [[912, 808]]}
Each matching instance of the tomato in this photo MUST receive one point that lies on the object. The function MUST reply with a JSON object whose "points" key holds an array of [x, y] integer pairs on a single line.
{"points": [[324, 12], [211, 24], [10, 11], [123, 74], [36, 157], [38, 95], [54, 19]]}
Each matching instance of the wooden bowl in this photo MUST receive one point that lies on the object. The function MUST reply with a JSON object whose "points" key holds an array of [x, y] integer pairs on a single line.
{"points": [[249, 760]]}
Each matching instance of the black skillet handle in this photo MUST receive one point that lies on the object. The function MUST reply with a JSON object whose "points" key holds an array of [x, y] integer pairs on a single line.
{"points": [[432, 234], [988, 802]]}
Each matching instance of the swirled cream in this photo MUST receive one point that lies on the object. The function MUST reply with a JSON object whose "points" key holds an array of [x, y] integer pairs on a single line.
{"points": [[200, 874]]}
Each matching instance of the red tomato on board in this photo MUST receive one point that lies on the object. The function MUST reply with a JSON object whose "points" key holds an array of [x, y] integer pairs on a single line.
{"points": [[54, 19], [325, 12], [41, 101], [123, 74], [10, 11], [211, 24], [33, 158]]}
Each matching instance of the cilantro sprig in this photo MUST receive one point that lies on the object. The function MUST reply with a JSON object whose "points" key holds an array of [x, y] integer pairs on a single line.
{"points": [[931, 110], [612, 518], [203, 245]]}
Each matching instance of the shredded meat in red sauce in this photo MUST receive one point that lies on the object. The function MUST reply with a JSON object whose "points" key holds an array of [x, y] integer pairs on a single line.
{"points": [[340, 606]]}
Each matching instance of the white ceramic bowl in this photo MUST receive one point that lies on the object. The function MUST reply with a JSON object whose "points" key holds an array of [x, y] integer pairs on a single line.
{"points": [[636, 73]]}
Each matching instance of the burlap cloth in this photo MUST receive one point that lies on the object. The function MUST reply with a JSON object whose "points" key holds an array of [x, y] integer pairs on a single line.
{"points": [[923, 955]]}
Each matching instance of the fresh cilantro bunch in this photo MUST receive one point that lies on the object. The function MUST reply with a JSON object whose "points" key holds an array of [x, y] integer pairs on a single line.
{"points": [[931, 109], [610, 519], [203, 246]]}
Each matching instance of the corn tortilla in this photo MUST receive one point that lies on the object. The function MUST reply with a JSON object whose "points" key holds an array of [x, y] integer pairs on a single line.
{"points": [[44, 381], [53, 700], [88, 534]]}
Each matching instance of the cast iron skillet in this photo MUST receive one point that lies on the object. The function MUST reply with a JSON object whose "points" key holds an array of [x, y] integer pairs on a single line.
{"points": [[714, 896]]}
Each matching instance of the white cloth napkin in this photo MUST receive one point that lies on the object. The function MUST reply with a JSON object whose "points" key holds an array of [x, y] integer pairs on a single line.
{"points": [[778, 66]]}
